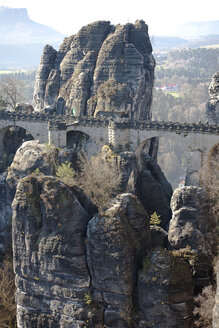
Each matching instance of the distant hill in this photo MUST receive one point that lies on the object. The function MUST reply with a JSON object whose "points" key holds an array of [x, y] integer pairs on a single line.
{"points": [[188, 35], [17, 27], [22, 40], [195, 30], [166, 43]]}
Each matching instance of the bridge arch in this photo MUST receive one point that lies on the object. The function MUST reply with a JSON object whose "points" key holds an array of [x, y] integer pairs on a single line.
{"points": [[88, 138], [11, 138], [79, 140], [172, 156]]}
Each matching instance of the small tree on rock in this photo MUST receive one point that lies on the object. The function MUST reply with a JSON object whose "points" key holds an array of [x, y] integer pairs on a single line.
{"points": [[11, 91]]}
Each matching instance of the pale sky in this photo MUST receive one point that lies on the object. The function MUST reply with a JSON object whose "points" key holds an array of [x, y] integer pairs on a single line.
{"points": [[68, 16]]}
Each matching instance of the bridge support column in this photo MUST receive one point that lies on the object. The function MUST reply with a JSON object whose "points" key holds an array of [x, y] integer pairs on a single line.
{"points": [[119, 137], [57, 134]]}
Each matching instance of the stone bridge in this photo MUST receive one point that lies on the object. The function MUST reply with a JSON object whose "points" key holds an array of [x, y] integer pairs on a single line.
{"points": [[197, 139]]}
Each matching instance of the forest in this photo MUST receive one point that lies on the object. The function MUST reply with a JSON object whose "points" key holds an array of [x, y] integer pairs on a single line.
{"points": [[182, 79]]}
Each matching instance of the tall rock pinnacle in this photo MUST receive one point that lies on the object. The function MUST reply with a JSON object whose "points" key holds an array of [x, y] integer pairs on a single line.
{"points": [[103, 68]]}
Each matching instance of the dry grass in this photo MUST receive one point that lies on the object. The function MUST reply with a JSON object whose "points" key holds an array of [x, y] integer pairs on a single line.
{"points": [[7, 294], [100, 180], [204, 304]]}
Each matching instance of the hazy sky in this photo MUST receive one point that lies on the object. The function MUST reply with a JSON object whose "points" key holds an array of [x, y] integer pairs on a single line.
{"points": [[67, 16]]}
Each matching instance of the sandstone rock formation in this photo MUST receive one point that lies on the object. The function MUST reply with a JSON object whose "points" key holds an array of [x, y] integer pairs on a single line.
{"points": [[79, 268], [140, 174], [102, 68], [5, 215], [120, 238], [165, 291], [49, 240], [152, 188], [49, 228], [31, 156], [190, 225], [212, 111], [191, 232]]}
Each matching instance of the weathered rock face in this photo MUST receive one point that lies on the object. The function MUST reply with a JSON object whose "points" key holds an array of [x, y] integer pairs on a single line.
{"points": [[52, 278], [12, 140], [165, 291], [189, 225], [76, 268], [5, 215], [46, 65], [212, 110], [152, 188], [117, 242], [31, 156], [102, 68], [68, 280], [190, 229]]}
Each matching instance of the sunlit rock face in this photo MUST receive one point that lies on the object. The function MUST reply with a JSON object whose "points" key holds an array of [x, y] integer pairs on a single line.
{"points": [[71, 269], [103, 68], [76, 267], [212, 110], [52, 277], [191, 230]]}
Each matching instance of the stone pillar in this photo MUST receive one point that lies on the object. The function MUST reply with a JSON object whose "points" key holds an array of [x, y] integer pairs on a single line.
{"points": [[57, 134], [119, 137]]}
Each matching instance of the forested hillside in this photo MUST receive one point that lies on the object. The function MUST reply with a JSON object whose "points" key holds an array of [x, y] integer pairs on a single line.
{"points": [[190, 72], [182, 78]]}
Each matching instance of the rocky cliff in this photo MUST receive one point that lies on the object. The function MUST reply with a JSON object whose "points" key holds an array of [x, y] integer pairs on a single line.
{"points": [[103, 68], [212, 111], [78, 268]]}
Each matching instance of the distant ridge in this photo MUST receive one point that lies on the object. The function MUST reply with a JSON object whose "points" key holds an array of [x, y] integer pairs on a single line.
{"points": [[17, 27], [193, 30], [22, 40]]}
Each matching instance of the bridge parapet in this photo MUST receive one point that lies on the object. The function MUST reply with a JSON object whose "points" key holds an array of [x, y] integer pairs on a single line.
{"points": [[122, 123]]}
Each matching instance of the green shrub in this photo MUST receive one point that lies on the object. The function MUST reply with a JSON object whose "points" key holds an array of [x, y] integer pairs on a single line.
{"points": [[154, 219], [66, 173]]}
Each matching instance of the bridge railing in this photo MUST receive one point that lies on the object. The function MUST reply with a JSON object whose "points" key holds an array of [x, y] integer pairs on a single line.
{"points": [[121, 123]]}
